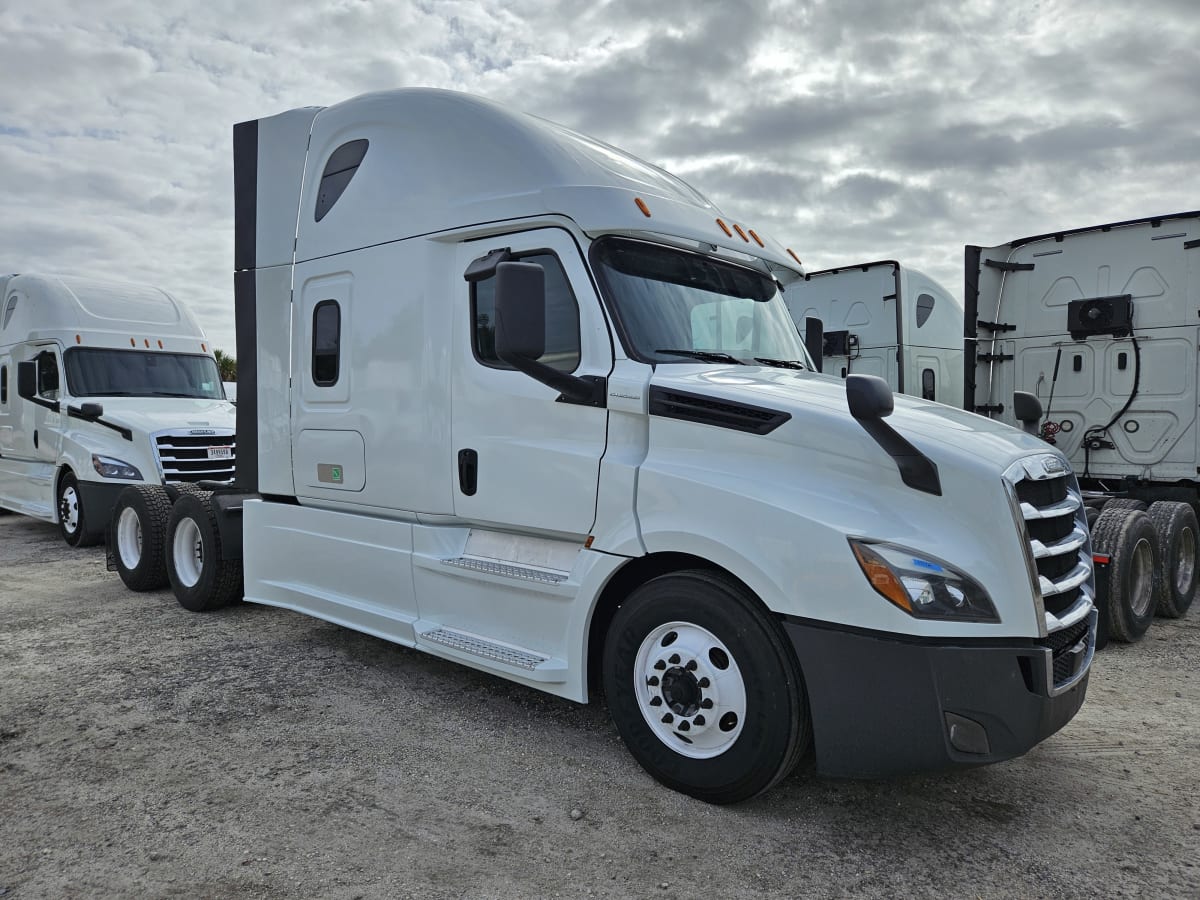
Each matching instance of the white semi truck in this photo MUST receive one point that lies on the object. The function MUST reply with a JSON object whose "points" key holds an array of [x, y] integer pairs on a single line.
{"points": [[517, 399], [1102, 324], [886, 319], [102, 385]]}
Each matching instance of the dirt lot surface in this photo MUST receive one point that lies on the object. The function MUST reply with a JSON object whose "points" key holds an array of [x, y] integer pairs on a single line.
{"points": [[148, 751]]}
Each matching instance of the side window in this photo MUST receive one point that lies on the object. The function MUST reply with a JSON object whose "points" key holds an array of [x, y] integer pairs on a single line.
{"points": [[47, 376], [562, 318], [4, 384], [924, 308], [928, 385], [327, 342]]}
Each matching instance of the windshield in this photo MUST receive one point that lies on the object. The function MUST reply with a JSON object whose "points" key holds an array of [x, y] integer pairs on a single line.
{"points": [[137, 373], [676, 306]]}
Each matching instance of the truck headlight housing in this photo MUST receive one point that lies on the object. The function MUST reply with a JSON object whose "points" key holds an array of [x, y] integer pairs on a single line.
{"points": [[107, 467], [922, 585]]}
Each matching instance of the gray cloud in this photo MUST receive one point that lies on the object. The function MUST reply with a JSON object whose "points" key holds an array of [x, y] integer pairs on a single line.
{"points": [[852, 130]]}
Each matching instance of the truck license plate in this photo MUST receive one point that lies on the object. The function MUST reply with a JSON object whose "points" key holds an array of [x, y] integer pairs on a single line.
{"points": [[220, 453]]}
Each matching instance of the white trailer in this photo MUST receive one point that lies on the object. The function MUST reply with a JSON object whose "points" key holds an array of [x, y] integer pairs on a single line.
{"points": [[1102, 325], [516, 399], [885, 319], [102, 385]]}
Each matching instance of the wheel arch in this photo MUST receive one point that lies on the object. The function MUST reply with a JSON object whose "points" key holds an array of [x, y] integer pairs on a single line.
{"points": [[632, 575]]}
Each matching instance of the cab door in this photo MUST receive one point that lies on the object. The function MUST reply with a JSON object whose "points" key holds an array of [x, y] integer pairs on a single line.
{"points": [[523, 459], [32, 434]]}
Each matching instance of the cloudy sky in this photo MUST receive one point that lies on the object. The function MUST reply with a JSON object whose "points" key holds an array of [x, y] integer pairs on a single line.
{"points": [[849, 129]]}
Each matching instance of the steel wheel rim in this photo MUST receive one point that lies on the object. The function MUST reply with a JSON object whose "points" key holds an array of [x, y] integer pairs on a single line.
{"points": [[692, 703], [1142, 593], [129, 538], [187, 552], [68, 509], [1185, 571]]}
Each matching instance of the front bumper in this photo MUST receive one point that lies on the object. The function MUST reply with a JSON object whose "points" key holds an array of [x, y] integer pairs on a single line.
{"points": [[884, 704]]}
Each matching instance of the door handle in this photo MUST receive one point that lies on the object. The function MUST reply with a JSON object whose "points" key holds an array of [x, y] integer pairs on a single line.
{"points": [[468, 471], [35, 439]]}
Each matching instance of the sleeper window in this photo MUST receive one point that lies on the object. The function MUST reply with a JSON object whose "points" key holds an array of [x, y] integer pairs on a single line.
{"points": [[327, 339], [562, 318]]}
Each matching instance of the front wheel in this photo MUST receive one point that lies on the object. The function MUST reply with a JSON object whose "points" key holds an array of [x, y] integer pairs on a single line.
{"points": [[704, 691], [200, 577], [71, 522]]}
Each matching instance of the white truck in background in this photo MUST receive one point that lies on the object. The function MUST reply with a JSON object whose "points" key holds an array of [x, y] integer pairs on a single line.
{"points": [[514, 398], [1102, 325], [102, 385], [885, 319]]}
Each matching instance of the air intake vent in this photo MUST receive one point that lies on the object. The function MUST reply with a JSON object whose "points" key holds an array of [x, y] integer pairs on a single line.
{"points": [[711, 411]]}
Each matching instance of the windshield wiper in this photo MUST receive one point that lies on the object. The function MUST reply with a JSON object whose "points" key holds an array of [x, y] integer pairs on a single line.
{"points": [[781, 363], [175, 394], [705, 355]]}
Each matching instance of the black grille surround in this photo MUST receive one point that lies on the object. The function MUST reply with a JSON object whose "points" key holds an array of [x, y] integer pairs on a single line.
{"points": [[187, 455], [1047, 499]]}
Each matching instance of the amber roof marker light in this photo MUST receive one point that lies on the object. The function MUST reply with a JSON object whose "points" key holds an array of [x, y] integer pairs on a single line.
{"points": [[725, 228], [641, 204]]}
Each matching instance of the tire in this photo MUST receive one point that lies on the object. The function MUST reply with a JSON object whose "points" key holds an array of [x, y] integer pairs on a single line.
{"points": [[1129, 538], [201, 578], [1092, 515], [139, 530], [1178, 535], [72, 525], [1125, 503], [741, 667], [176, 489]]}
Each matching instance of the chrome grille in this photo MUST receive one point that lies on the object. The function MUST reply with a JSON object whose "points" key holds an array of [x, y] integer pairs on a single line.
{"points": [[189, 455], [1046, 496]]}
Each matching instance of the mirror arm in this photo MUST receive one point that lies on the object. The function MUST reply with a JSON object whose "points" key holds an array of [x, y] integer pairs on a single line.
{"points": [[585, 390], [77, 413]]}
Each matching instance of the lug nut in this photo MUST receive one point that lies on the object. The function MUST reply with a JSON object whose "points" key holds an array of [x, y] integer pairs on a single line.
{"points": [[706, 704], [668, 719], [703, 682], [652, 681], [656, 701], [660, 665], [691, 665], [684, 726], [698, 721], [674, 659]]}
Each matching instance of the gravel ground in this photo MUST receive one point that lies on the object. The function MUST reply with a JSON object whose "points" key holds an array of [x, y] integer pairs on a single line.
{"points": [[253, 752]]}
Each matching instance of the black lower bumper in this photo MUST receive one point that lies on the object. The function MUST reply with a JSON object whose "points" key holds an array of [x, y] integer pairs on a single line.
{"points": [[883, 705]]}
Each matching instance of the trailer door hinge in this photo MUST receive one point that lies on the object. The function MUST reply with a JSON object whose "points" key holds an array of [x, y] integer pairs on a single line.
{"points": [[1004, 266], [994, 357], [996, 326], [988, 408]]}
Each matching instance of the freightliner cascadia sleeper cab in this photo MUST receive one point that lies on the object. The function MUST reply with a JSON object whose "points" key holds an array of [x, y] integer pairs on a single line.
{"points": [[517, 399], [102, 385]]}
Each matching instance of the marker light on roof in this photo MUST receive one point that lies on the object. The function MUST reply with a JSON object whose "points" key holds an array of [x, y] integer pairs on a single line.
{"points": [[792, 254], [641, 204], [741, 234], [757, 239], [725, 228]]}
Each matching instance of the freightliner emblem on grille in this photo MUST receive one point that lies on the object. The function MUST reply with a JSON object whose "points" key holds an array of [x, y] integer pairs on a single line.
{"points": [[201, 431]]}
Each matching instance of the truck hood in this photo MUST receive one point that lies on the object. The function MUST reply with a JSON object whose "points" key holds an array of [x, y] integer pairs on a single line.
{"points": [[820, 415], [151, 414]]}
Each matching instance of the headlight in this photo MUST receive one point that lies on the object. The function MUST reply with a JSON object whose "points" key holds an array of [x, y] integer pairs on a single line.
{"points": [[108, 467], [921, 585]]}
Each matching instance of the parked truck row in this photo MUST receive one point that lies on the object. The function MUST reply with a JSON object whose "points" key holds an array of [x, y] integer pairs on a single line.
{"points": [[514, 398], [1101, 325]]}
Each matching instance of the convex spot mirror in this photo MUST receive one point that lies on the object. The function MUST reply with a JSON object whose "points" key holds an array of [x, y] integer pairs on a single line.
{"points": [[520, 311]]}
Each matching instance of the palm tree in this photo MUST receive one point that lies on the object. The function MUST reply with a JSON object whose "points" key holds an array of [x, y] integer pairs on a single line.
{"points": [[226, 365]]}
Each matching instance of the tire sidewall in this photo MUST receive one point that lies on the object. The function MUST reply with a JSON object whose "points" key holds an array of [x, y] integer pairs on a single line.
{"points": [[69, 481], [193, 507], [150, 571], [771, 712]]}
